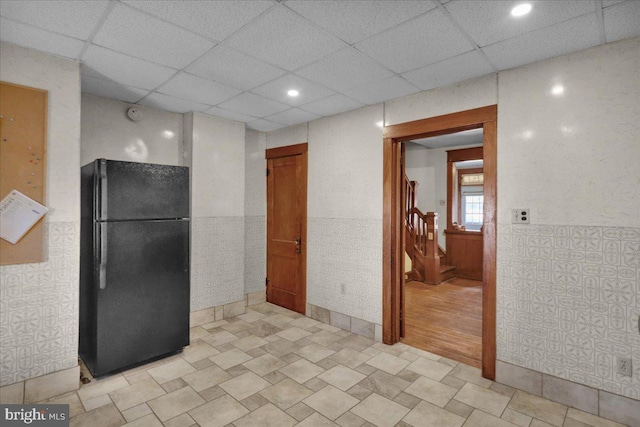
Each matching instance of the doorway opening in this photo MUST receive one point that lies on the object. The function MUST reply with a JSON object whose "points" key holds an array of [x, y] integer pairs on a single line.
{"points": [[394, 197], [442, 304]]}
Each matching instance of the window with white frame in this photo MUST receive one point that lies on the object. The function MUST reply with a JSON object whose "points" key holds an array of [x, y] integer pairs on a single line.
{"points": [[472, 207]]}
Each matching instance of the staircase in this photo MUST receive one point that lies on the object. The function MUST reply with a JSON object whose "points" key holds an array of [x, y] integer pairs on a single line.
{"points": [[421, 242]]}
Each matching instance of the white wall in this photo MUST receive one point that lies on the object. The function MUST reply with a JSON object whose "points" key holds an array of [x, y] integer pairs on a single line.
{"points": [[291, 135], [419, 168], [344, 210], [39, 302], [217, 159], [255, 227], [345, 214], [582, 148], [429, 168], [108, 133], [461, 96], [568, 284]]}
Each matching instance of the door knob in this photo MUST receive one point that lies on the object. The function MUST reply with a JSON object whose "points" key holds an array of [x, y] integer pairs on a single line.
{"points": [[298, 245]]}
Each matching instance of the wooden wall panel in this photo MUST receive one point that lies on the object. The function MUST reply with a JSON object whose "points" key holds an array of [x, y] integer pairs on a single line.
{"points": [[464, 251], [23, 154]]}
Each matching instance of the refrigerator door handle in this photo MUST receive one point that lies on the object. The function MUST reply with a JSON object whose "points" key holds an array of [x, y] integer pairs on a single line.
{"points": [[103, 189], [103, 256]]}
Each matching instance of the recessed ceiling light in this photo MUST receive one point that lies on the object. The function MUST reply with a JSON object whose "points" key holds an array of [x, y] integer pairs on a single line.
{"points": [[557, 90], [293, 93], [567, 130], [380, 124], [521, 9]]}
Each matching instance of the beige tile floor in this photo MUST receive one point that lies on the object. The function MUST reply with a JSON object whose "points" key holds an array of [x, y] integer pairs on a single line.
{"points": [[274, 367]]}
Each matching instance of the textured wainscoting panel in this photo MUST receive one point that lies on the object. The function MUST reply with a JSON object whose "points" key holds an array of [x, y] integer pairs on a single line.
{"points": [[255, 253], [217, 261], [344, 266], [569, 301], [39, 309]]}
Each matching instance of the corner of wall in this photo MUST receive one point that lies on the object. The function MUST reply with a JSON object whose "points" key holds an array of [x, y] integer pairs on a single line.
{"points": [[54, 320], [216, 148], [255, 206]]}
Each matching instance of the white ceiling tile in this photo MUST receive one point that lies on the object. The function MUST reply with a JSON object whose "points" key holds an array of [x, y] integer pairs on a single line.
{"points": [[608, 3], [194, 88], [293, 116], [106, 64], [277, 90], [264, 125], [331, 105], [354, 21], [461, 67], [137, 34], [231, 115], [169, 103], [422, 41], [408, 37], [111, 90], [253, 105], [488, 22], [622, 21], [72, 18], [283, 38], [344, 70], [36, 38], [214, 19], [233, 68], [382, 90], [570, 36]]}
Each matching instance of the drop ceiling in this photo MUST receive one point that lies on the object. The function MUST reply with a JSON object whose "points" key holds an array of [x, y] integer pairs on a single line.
{"points": [[237, 59]]}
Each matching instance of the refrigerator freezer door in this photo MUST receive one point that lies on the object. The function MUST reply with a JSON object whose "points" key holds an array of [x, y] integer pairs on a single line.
{"points": [[143, 309], [131, 191]]}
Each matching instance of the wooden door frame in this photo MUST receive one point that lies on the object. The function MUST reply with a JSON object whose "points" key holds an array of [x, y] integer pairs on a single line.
{"points": [[288, 151], [393, 236]]}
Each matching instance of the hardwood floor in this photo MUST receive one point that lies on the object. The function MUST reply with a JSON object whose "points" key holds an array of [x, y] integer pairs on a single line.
{"points": [[445, 319]]}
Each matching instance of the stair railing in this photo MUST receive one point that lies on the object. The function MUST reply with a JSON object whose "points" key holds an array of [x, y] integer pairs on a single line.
{"points": [[424, 242], [424, 231], [422, 236], [411, 189]]}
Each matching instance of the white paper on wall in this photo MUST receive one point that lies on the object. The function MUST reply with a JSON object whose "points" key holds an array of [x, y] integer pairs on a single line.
{"points": [[18, 213]]}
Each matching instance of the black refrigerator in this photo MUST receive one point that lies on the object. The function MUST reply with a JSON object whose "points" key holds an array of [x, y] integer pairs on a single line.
{"points": [[134, 264]]}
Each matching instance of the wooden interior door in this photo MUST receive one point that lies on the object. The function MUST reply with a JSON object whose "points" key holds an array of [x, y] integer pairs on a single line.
{"points": [[287, 226]]}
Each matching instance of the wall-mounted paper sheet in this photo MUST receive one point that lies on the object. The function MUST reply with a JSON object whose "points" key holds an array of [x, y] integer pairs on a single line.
{"points": [[18, 213]]}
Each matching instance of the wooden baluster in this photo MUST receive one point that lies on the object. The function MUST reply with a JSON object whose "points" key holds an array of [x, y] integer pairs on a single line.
{"points": [[414, 193], [432, 230], [417, 229], [432, 261], [409, 201], [407, 207]]}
